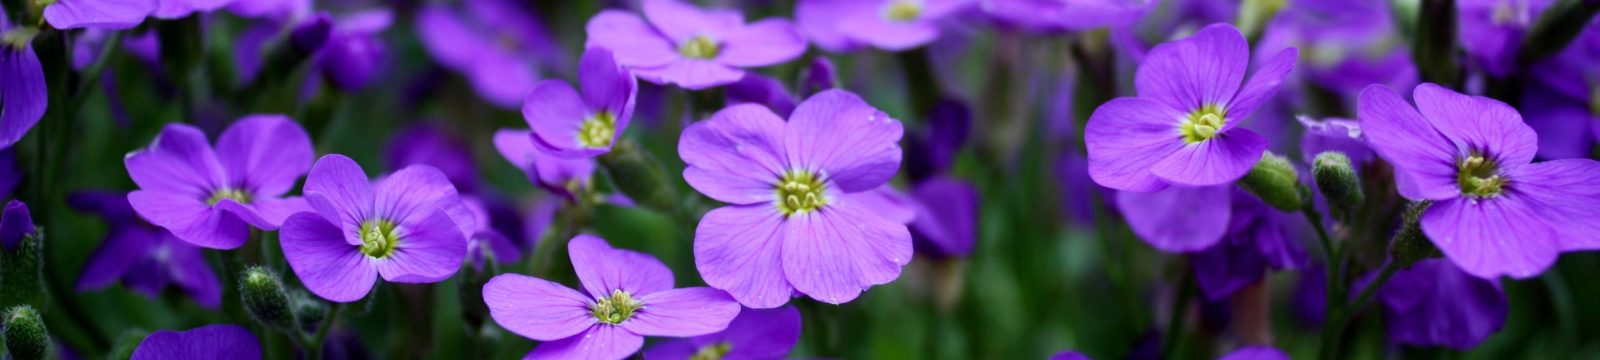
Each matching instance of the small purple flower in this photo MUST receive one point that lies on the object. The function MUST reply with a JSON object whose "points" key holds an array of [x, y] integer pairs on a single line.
{"points": [[1564, 99], [99, 14], [947, 217], [485, 242], [756, 334], [568, 124], [353, 53], [1256, 353], [1494, 212], [498, 45], [207, 197], [409, 227], [1259, 238], [820, 76], [143, 257], [1182, 129], [433, 145], [934, 150], [691, 47], [23, 89], [1066, 15], [1069, 355], [1334, 134], [794, 225], [1348, 44], [16, 223], [630, 296], [893, 25], [1491, 31], [763, 90], [561, 176], [1436, 304], [202, 343]]}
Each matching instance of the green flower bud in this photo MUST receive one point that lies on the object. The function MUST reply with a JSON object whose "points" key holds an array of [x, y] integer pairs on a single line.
{"points": [[20, 277], [1275, 181], [26, 337], [265, 298], [126, 344], [1410, 245], [310, 312], [1337, 181], [640, 176]]}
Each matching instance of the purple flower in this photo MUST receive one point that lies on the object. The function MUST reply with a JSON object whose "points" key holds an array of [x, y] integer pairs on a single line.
{"points": [[793, 225], [15, 223], [1334, 134], [889, 203], [893, 25], [278, 9], [23, 89], [1436, 304], [762, 90], [498, 45], [692, 47], [1256, 353], [630, 296], [1348, 44], [99, 14], [820, 76], [1066, 15], [565, 177], [433, 145], [947, 217], [756, 334], [1166, 219], [202, 343], [1494, 213], [1182, 129], [572, 125], [353, 53], [410, 227], [1069, 355], [485, 242], [206, 197], [1564, 99], [1259, 238], [10, 175], [1491, 31], [934, 149], [144, 258]]}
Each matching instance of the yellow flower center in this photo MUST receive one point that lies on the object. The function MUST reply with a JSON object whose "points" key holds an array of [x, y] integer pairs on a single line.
{"points": [[799, 192], [903, 10], [598, 130], [1202, 124], [1478, 177], [616, 308], [713, 352], [378, 239], [237, 195], [699, 47]]}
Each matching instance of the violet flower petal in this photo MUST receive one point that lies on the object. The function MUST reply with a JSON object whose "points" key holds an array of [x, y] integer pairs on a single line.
{"points": [[330, 268], [746, 175], [834, 255], [739, 248], [838, 134], [603, 269], [683, 312], [536, 308]]}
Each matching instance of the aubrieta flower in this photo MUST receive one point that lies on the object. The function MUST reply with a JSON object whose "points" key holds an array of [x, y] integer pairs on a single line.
{"points": [[1491, 31], [1347, 44], [1564, 99], [409, 227], [573, 125], [353, 54], [1494, 212], [757, 334], [1065, 15], [143, 257], [23, 88], [1166, 219], [1183, 127], [498, 45], [16, 223], [206, 197], [793, 224], [99, 14], [203, 343], [763, 90], [893, 25], [1070, 355], [561, 176], [1334, 134], [691, 47], [1434, 303], [947, 217], [630, 296], [1257, 352], [433, 145], [1259, 238], [485, 242]]}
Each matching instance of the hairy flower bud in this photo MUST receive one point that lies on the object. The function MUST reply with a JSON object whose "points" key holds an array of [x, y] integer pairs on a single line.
{"points": [[26, 337], [265, 298], [640, 176], [1275, 181], [1410, 245], [1337, 181], [20, 277], [123, 348]]}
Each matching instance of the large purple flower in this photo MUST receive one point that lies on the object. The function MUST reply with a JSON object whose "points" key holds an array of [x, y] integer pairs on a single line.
{"points": [[561, 176], [1436, 304], [1183, 127], [692, 47], [145, 258], [572, 125], [1491, 31], [793, 225], [410, 227], [630, 296], [894, 25], [757, 334], [99, 14], [1494, 213], [202, 343], [1066, 15], [23, 89], [498, 45], [206, 197]]}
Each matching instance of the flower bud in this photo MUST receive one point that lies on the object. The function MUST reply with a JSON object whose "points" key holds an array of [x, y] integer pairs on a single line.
{"points": [[640, 176], [26, 337], [1337, 181], [310, 312], [1410, 245], [265, 298], [126, 344], [818, 77], [1275, 181], [23, 258]]}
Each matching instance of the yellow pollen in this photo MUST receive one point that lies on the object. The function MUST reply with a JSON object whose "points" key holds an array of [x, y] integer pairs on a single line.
{"points": [[712, 352], [616, 308], [903, 10], [699, 47], [799, 192], [598, 130], [1202, 124], [1479, 177], [378, 239], [240, 196]]}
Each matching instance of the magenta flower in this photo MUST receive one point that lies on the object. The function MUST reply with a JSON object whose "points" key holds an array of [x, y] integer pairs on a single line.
{"points": [[99, 14], [572, 125], [893, 25], [793, 225], [757, 334], [206, 197], [630, 296], [410, 227], [692, 47], [1183, 127], [1494, 212], [202, 343]]}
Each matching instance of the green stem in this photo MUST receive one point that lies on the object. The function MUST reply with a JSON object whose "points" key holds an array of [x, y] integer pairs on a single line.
{"points": [[1338, 319], [313, 345], [921, 82], [1180, 309]]}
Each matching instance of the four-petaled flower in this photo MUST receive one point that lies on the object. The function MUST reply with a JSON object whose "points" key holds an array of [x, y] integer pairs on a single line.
{"points": [[572, 125], [691, 47], [893, 25]]}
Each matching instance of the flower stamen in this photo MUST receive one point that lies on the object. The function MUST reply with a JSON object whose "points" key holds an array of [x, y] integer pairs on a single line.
{"points": [[799, 192], [616, 308], [378, 238], [1478, 177], [598, 130], [699, 47], [237, 195], [712, 352], [902, 10], [1202, 124]]}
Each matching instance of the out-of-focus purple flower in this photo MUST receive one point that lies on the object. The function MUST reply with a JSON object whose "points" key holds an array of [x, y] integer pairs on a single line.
{"points": [[691, 47], [1077, 189], [311, 34], [22, 88], [1334, 134], [1069, 355], [173, 9], [1436, 304], [145, 258], [408, 226], [433, 145], [763, 90], [889, 203], [570, 124], [99, 14], [1170, 220], [539, 219], [1310, 302], [1066, 15], [210, 197], [820, 76], [485, 242], [354, 54], [947, 217], [893, 25], [756, 334], [1563, 99], [16, 223], [1347, 44], [794, 226], [1259, 237], [1135, 143], [270, 9], [10, 175], [202, 343], [630, 295], [498, 45], [561, 176], [1256, 353], [934, 150], [1491, 31], [1494, 212]]}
